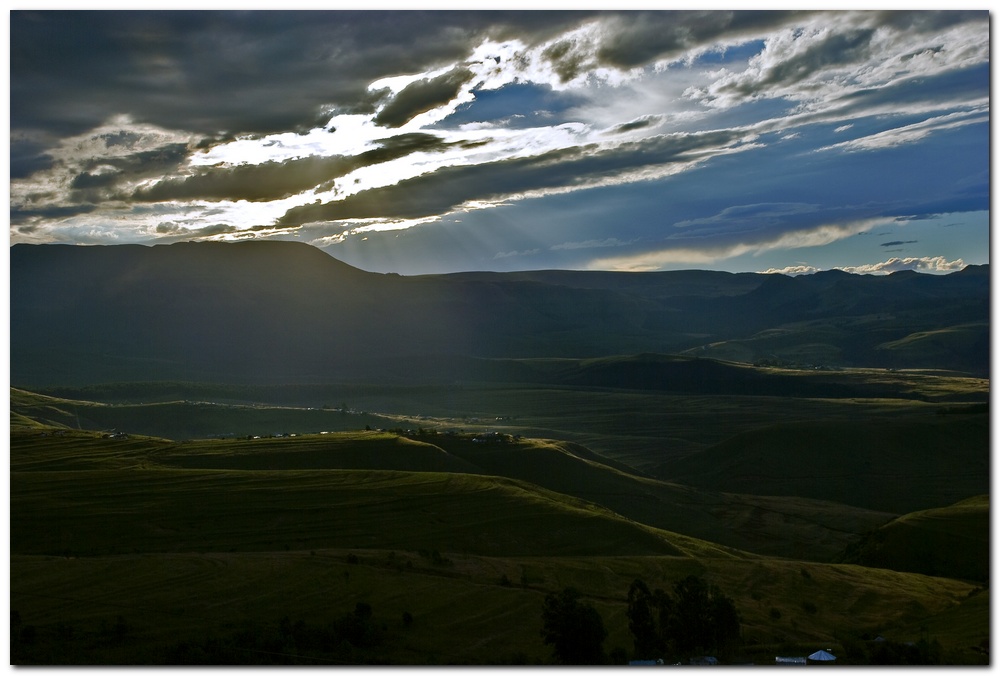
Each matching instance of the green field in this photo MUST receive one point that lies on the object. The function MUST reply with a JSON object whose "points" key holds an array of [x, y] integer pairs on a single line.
{"points": [[172, 548]]}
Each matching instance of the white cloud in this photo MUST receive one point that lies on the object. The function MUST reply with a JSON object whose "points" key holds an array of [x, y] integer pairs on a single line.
{"points": [[511, 254], [92, 152], [930, 264], [925, 264], [913, 132], [711, 252], [791, 270], [837, 53]]}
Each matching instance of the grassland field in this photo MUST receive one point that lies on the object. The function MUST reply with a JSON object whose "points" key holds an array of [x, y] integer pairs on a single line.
{"points": [[123, 548]]}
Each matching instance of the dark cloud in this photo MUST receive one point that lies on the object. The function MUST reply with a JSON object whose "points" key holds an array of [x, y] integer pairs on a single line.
{"points": [[929, 21], [251, 182], [836, 49], [567, 62], [641, 123], [175, 231], [101, 175], [276, 180], [638, 38], [27, 215], [899, 242], [27, 157], [441, 191], [422, 96], [226, 73], [958, 86]]}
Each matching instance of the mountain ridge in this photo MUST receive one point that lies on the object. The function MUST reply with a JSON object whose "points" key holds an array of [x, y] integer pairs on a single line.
{"points": [[280, 311]]}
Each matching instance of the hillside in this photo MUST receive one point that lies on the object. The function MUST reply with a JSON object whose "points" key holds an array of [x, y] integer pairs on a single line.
{"points": [[952, 541], [806, 489], [902, 465], [254, 452], [802, 527], [272, 312], [202, 543]]}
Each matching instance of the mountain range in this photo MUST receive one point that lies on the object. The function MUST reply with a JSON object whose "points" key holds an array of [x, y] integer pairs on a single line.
{"points": [[273, 312]]}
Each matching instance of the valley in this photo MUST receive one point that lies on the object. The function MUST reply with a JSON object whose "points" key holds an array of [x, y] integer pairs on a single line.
{"points": [[324, 514], [214, 467]]}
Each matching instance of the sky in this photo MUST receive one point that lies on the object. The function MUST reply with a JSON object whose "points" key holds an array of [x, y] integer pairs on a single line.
{"points": [[442, 141]]}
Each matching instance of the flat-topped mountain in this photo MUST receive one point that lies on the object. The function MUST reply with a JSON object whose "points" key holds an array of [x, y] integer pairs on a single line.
{"points": [[286, 311]]}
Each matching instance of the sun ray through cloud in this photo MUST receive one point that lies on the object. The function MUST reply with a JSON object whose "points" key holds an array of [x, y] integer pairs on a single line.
{"points": [[672, 117]]}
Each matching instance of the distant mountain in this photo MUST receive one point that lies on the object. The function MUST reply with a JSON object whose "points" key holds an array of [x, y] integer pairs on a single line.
{"points": [[284, 311]]}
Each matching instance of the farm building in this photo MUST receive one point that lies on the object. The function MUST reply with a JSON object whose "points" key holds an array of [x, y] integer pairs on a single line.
{"points": [[822, 657]]}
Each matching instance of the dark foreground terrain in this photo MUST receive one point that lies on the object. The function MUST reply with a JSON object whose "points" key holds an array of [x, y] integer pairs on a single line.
{"points": [[858, 519], [213, 468]]}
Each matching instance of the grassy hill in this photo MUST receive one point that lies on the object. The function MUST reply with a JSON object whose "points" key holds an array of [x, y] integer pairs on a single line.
{"points": [[144, 549], [900, 465], [950, 343], [789, 526], [951, 541], [110, 531], [813, 515], [103, 512], [189, 419], [463, 611]]}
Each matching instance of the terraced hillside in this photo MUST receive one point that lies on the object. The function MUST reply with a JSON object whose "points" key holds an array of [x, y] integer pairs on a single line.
{"points": [[134, 550]]}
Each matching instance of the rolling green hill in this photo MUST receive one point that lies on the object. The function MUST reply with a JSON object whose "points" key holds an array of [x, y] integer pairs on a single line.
{"points": [[900, 465], [463, 611], [125, 550], [951, 541], [106, 512], [189, 419], [789, 526], [950, 343], [814, 515]]}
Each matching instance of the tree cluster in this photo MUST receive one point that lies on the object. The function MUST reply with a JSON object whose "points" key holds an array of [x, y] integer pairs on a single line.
{"points": [[697, 619]]}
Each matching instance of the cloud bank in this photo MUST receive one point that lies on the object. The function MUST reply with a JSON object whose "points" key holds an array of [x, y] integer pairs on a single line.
{"points": [[678, 138], [937, 264]]}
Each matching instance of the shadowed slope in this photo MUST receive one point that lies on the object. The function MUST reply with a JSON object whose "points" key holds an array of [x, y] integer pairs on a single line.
{"points": [[901, 465], [951, 541]]}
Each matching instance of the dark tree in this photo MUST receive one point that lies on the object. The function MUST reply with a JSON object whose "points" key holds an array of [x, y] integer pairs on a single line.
{"points": [[574, 629], [698, 618], [643, 623], [690, 623], [726, 630]]}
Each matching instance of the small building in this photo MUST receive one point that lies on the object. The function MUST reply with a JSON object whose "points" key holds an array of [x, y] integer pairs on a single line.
{"points": [[822, 657]]}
